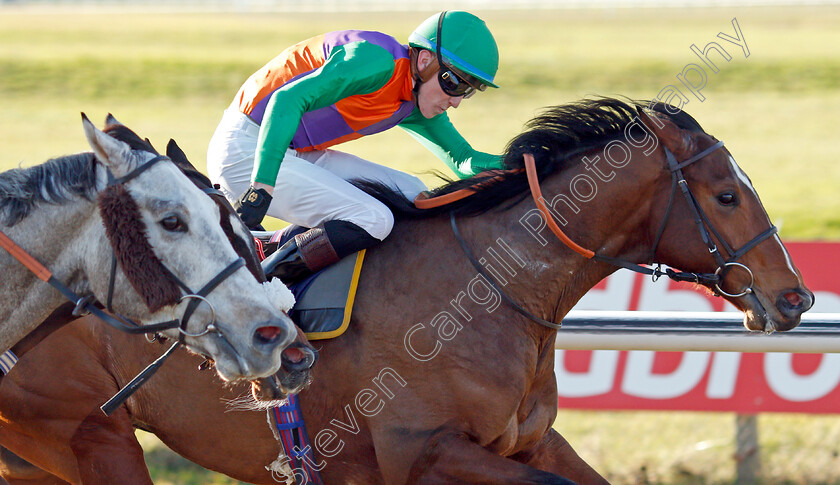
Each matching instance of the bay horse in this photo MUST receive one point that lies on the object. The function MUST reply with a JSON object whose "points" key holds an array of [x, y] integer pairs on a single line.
{"points": [[440, 378], [127, 228]]}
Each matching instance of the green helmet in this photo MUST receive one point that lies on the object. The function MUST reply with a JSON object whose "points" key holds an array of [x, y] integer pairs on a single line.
{"points": [[467, 43]]}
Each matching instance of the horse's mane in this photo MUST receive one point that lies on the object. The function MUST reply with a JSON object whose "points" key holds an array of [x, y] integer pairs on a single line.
{"points": [[62, 179], [55, 181], [553, 137]]}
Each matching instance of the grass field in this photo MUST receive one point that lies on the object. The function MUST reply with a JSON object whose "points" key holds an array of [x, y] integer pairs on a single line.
{"points": [[170, 76]]}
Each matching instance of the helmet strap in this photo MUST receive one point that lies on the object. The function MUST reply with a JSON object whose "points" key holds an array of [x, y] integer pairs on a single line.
{"points": [[421, 75]]}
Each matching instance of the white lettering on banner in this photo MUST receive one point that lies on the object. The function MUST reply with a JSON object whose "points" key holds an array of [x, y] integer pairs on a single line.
{"points": [[826, 302], [787, 384], [659, 296], [597, 380], [640, 380], [724, 375], [615, 297], [697, 380]]}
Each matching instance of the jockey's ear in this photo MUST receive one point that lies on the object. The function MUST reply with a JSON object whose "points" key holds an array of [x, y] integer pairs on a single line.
{"points": [[669, 134]]}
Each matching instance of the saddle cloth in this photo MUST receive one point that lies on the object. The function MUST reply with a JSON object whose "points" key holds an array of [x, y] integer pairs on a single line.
{"points": [[324, 300]]}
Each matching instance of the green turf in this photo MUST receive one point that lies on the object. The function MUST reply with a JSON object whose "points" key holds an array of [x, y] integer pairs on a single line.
{"points": [[171, 75]]}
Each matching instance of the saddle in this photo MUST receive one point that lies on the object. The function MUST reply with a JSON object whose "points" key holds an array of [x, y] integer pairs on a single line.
{"points": [[324, 300]]}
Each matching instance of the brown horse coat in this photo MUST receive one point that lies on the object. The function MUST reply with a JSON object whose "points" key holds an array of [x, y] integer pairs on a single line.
{"points": [[436, 380]]}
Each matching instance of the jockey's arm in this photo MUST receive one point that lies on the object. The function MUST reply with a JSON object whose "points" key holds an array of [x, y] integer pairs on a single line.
{"points": [[440, 137], [357, 68]]}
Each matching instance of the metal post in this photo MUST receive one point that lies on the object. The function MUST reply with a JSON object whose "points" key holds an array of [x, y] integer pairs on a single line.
{"points": [[747, 453]]}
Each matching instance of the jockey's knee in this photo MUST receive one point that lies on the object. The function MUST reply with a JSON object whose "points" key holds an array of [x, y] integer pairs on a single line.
{"points": [[377, 222]]}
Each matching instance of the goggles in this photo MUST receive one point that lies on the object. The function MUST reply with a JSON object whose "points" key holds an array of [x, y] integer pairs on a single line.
{"points": [[454, 85], [451, 81]]}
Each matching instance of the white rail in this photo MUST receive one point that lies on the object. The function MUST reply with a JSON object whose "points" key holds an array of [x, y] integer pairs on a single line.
{"points": [[692, 331]]}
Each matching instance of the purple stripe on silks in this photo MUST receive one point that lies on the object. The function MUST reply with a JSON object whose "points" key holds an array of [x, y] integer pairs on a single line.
{"points": [[405, 109], [343, 37], [258, 112], [320, 126]]}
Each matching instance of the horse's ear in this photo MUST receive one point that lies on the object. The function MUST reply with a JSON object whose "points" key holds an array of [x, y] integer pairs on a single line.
{"points": [[669, 134], [149, 142], [111, 120], [174, 152], [113, 153]]}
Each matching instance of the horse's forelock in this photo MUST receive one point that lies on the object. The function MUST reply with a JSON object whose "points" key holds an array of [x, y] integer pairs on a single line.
{"points": [[127, 233]]}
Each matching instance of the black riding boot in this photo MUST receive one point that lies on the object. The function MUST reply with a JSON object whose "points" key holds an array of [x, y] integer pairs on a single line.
{"points": [[315, 249]]}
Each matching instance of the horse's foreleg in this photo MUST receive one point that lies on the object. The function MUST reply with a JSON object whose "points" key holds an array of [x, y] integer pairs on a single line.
{"points": [[107, 450], [554, 454], [451, 457]]}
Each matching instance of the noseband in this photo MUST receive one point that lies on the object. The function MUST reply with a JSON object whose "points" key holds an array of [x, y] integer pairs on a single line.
{"points": [[704, 226]]}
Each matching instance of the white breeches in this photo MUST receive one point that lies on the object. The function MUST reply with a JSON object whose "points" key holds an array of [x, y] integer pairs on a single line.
{"points": [[311, 187]]}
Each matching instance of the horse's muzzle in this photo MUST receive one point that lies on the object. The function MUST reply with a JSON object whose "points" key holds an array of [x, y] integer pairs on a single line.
{"points": [[294, 374], [792, 304]]}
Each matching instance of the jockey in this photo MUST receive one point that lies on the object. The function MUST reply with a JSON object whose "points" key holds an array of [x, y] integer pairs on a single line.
{"points": [[270, 153]]}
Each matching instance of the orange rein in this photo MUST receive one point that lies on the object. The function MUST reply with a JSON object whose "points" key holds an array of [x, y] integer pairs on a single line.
{"points": [[423, 201], [25, 258], [534, 182]]}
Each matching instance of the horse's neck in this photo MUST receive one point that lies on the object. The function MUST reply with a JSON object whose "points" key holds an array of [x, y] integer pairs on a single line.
{"points": [[59, 237], [614, 223]]}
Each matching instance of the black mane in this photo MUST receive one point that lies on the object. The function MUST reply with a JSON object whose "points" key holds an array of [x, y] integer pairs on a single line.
{"points": [[553, 137]]}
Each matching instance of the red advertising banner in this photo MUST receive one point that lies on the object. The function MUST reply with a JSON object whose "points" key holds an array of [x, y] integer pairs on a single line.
{"points": [[703, 381]]}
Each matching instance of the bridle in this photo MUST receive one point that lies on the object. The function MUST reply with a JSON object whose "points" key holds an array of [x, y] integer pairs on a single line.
{"points": [[703, 223], [195, 298], [705, 226], [87, 304]]}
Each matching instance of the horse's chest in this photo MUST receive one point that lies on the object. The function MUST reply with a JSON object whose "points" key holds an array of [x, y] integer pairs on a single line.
{"points": [[520, 435], [534, 414], [506, 443]]}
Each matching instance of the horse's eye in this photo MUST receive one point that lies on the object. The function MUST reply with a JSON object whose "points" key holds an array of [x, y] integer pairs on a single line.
{"points": [[173, 223], [727, 198]]}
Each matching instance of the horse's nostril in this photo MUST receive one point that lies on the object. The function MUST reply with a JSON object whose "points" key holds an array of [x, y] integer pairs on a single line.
{"points": [[794, 299], [267, 334], [293, 355], [795, 302]]}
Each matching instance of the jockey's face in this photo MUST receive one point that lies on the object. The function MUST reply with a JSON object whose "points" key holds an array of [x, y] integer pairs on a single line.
{"points": [[431, 99]]}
